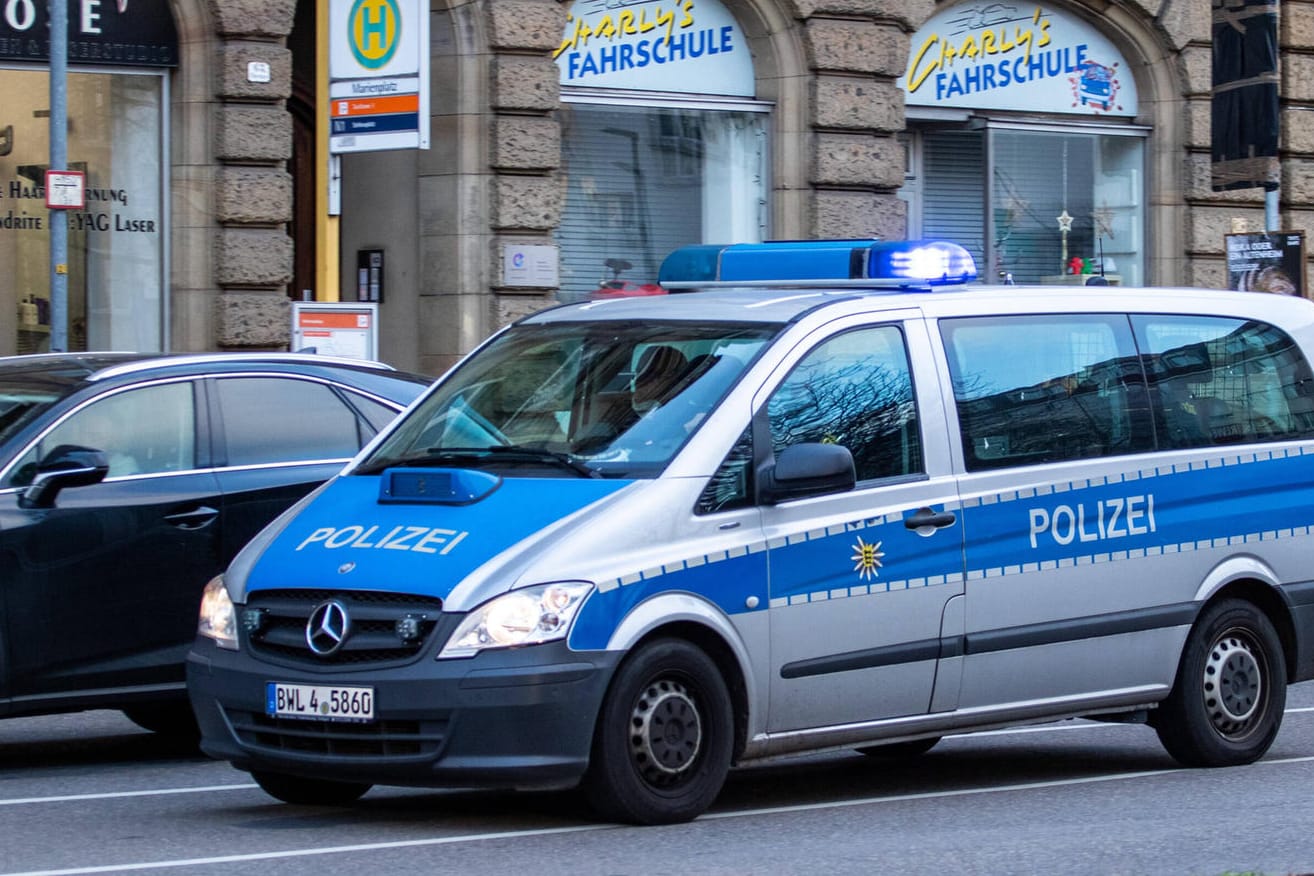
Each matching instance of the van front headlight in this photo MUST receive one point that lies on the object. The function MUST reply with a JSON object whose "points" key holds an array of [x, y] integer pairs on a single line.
{"points": [[218, 617], [530, 616]]}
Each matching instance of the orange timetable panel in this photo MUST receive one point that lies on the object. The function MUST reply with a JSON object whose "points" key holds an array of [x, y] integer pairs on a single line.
{"points": [[373, 106], [357, 320]]}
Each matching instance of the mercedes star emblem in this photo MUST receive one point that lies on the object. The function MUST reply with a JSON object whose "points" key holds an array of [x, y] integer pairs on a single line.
{"points": [[327, 627]]}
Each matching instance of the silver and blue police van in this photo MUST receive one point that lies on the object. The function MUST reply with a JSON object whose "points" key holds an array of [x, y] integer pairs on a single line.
{"points": [[824, 495]]}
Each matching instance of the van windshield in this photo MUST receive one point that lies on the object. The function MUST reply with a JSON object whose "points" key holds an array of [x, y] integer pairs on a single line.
{"points": [[583, 399]]}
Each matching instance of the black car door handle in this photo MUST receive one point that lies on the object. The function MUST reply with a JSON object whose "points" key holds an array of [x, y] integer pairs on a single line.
{"points": [[193, 518], [926, 517]]}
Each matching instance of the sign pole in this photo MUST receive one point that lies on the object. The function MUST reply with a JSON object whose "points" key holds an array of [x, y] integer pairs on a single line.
{"points": [[58, 161]]}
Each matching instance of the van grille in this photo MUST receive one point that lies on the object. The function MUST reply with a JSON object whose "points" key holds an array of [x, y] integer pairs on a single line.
{"points": [[375, 636], [378, 739]]}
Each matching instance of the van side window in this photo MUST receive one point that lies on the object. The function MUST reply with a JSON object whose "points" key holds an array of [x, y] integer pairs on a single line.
{"points": [[1035, 389], [1224, 381], [856, 390]]}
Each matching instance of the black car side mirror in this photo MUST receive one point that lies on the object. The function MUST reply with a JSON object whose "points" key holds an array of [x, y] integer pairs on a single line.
{"points": [[68, 465], [811, 469]]}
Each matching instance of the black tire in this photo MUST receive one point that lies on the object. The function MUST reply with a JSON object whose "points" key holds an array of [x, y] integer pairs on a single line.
{"points": [[176, 720], [893, 750], [663, 743], [1226, 704], [309, 792]]}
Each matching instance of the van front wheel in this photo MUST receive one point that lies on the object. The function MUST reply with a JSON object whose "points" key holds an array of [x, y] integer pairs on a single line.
{"points": [[662, 747], [1226, 704]]}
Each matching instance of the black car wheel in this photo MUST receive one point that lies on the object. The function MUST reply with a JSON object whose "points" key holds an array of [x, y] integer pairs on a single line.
{"points": [[309, 792], [168, 719], [663, 742], [1226, 704]]}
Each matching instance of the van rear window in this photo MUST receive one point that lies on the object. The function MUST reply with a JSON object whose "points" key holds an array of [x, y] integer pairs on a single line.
{"points": [[1034, 389], [1224, 381]]}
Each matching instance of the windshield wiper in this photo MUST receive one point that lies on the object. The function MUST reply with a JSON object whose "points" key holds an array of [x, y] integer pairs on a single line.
{"points": [[512, 453], [517, 452]]}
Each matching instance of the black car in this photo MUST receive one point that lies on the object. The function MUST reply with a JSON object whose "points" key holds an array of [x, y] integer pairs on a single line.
{"points": [[128, 481]]}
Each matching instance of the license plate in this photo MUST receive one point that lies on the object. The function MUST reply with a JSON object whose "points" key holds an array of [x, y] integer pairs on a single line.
{"points": [[323, 702]]}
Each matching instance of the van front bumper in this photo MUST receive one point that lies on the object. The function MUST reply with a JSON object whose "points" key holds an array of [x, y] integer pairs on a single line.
{"points": [[519, 718]]}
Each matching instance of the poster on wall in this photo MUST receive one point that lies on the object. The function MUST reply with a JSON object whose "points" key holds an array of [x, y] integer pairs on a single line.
{"points": [[1269, 261], [676, 46], [1017, 57]]}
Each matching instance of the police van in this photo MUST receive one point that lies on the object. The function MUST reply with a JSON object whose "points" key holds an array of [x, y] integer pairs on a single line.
{"points": [[825, 495]]}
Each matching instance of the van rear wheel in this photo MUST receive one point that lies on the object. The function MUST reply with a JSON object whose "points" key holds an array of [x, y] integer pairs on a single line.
{"points": [[1226, 704], [309, 792], [663, 743]]}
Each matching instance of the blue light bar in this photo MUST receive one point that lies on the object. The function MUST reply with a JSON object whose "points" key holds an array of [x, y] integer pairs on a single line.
{"points": [[867, 263]]}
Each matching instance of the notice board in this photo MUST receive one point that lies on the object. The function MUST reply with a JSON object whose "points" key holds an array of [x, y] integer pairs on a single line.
{"points": [[1267, 261], [349, 329]]}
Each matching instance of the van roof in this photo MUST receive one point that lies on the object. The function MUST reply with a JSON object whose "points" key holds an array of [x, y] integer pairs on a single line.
{"points": [[787, 303]]}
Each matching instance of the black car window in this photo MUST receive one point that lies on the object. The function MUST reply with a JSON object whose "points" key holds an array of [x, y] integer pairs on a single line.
{"points": [[285, 419], [376, 414], [150, 430], [854, 390]]}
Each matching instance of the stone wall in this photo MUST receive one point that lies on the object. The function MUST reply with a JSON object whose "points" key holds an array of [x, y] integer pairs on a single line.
{"points": [[252, 251]]}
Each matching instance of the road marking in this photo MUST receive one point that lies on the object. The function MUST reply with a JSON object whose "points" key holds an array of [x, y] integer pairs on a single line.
{"points": [[111, 795], [584, 828], [248, 786]]}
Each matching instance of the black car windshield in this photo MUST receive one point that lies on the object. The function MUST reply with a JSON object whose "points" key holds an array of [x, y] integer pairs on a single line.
{"points": [[576, 399], [23, 397]]}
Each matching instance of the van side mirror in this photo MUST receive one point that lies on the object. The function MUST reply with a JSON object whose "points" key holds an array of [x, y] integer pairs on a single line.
{"points": [[810, 469], [68, 465]]}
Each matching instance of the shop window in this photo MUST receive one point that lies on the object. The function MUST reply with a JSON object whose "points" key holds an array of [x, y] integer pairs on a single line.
{"points": [[1038, 206], [643, 180], [116, 244]]}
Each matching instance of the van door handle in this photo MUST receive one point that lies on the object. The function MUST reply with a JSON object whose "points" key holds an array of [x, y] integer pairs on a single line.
{"points": [[194, 518], [926, 519]]}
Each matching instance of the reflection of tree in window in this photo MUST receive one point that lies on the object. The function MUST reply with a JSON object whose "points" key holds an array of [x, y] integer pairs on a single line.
{"points": [[731, 486], [854, 391]]}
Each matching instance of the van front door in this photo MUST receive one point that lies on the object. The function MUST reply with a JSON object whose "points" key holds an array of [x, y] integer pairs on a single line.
{"points": [[859, 580]]}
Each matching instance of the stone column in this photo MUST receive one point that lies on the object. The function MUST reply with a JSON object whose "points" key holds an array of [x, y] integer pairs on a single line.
{"points": [[253, 189], [524, 141], [856, 49]]}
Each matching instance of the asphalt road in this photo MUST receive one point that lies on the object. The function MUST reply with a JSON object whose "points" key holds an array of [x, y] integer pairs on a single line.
{"points": [[90, 793]]}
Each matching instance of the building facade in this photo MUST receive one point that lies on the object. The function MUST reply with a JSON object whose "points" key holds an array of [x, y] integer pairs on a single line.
{"points": [[597, 135]]}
